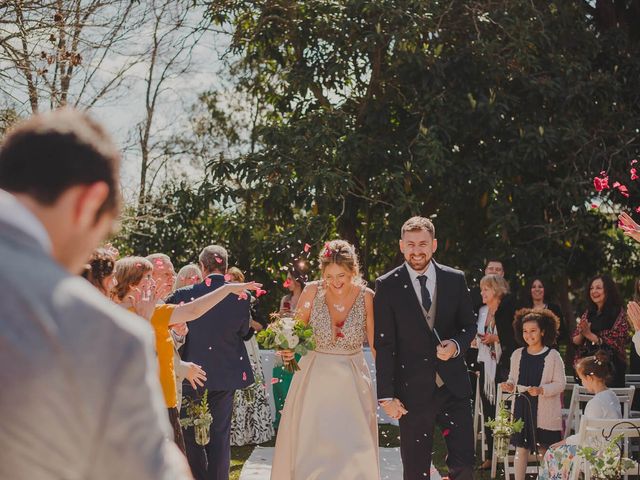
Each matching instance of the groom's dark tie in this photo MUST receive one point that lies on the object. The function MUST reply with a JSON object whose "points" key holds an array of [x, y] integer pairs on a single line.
{"points": [[424, 292]]}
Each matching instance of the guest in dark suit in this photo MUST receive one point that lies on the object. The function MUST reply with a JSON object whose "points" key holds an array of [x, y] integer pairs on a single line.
{"points": [[215, 342], [424, 325]]}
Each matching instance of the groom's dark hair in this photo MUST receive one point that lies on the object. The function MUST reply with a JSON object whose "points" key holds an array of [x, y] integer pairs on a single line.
{"points": [[415, 224]]}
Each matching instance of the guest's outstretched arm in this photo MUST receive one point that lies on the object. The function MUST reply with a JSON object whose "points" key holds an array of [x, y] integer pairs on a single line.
{"points": [[193, 310]]}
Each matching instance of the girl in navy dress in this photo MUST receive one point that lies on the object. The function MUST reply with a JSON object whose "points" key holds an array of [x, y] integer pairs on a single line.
{"points": [[537, 375]]}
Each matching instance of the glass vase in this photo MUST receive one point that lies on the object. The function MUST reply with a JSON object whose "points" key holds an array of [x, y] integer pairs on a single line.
{"points": [[501, 446], [202, 434]]}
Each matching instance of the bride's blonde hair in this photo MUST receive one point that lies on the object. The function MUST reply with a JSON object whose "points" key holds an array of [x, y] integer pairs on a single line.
{"points": [[342, 253]]}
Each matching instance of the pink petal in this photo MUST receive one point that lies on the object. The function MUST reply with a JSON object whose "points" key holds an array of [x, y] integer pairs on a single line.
{"points": [[274, 381], [244, 376], [218, 260], [637, 209], [287, 283], [227, 278], [307, 247], [242, 296], [260, 292], [207, 282]]}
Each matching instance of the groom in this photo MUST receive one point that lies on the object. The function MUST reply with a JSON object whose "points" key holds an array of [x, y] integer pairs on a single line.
{"points": [[424, 323]]}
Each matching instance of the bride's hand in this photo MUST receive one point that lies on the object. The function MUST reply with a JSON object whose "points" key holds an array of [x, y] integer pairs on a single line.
{"points": [[394, 408]]}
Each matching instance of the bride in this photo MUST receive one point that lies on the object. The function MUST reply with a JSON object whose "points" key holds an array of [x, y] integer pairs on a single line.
{"points": [[329, 428]]}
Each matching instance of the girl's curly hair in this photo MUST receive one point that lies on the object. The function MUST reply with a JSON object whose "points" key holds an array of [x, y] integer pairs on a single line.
{"points": [[548, 322]]}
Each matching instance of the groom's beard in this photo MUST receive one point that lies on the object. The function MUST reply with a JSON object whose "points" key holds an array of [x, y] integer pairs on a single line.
{"points": [[419, 263]]}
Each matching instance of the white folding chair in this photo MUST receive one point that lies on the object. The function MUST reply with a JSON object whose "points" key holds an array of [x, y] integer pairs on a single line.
{"points": [[568, 388], [580, 396], [478, 422], [593, 430], [633, 380]]}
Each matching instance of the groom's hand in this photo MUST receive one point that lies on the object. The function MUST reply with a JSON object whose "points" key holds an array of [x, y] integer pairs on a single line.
{"points": [[446, 350], [394, 408]]}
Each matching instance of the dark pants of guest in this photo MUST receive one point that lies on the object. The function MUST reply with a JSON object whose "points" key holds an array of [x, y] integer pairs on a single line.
{"points": [[212, 462], [174, 419], [454, 416]]}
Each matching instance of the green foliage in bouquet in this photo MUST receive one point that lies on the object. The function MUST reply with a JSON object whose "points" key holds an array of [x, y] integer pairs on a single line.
{"points": [[607, 463], [286, 333]]}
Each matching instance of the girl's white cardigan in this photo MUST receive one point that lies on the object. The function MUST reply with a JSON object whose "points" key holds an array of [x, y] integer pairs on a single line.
{"points": [[553, 382]]}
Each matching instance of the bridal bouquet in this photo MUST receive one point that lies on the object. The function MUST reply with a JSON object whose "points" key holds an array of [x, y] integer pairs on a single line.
{"points": [[199, 417], [607, 463], [503, 426], [286, 333]]}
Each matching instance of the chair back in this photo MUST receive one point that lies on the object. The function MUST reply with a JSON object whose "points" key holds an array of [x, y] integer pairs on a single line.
{"points": [[581, 396], [594, 430]]}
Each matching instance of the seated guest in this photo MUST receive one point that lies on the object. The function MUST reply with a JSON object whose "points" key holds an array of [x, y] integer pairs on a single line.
{"points": [[594, 372], [603, 326]]}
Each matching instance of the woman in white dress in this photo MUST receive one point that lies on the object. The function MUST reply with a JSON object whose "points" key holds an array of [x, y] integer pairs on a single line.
{"points": [[329, 428]]}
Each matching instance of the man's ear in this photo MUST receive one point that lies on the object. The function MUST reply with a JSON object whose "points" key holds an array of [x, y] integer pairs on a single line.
{"points": [[89, 200], [401, 243], [435, 245]]}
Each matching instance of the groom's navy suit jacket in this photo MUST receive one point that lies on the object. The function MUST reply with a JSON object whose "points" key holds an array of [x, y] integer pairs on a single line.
{"points": [[406, 361], [215, 340]]}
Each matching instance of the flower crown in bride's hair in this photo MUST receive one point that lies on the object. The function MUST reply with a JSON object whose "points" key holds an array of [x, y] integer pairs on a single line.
{"points": [[328, 251]]}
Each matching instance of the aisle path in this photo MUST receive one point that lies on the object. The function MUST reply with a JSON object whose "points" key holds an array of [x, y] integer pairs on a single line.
{"points": [[258, 466]]}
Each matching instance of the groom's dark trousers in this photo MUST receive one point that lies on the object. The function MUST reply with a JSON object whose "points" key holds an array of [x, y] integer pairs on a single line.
{"points": [[454, 417]]}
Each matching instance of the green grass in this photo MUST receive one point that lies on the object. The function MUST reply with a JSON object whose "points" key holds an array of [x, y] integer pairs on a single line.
{"points": [[388, 437]]}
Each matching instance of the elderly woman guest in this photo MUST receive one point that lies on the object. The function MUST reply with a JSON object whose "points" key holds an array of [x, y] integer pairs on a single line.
{"points": [[493, 341], [603, 326]]}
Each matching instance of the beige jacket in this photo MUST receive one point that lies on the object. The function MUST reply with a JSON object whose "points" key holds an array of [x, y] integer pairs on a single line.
{"points": [[553, 383]]}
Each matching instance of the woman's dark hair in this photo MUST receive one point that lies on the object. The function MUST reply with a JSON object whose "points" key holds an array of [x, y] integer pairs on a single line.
{"points": [[100, 266], [299, 271], [612, 302], [527, 300], [599, 365], [548, 322]]}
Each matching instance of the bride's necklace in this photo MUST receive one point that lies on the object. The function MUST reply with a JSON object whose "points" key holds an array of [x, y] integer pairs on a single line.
{"points": [[339, 306]]}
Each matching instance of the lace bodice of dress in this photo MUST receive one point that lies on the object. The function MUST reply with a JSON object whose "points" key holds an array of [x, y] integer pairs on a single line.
{"points": [[353, 329]]}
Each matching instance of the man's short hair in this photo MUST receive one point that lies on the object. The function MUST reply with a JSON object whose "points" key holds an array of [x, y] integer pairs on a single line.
{"points": [[51, 152], [214, 258], [158, 259], [415, 224]]}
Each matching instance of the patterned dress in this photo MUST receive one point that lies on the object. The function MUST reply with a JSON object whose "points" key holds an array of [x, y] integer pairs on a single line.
{"points": [[251, 422], [329, 429]]}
